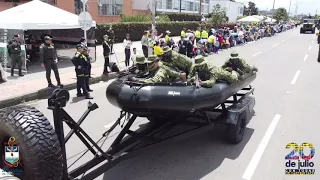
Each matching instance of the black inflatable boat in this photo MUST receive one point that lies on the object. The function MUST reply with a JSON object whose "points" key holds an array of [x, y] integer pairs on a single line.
{"points": [[162, 97]]}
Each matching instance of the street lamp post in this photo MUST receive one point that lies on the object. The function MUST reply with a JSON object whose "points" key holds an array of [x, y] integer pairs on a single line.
{"points": [[153, 10]]}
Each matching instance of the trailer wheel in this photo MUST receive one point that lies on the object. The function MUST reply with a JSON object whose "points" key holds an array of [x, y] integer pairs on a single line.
{"points": [[236, 132], [39, 149]]}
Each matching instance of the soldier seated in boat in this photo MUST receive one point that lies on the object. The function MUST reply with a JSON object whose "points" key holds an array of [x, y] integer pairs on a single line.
{"points": [[159, 72], [208, 74], [238, 64], [175, 60]]}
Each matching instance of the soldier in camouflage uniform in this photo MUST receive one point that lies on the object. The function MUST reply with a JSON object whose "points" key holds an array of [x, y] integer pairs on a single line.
{"points": [[175, 60], [159, 72], [209, 74], [140, 67], [236, 63]]}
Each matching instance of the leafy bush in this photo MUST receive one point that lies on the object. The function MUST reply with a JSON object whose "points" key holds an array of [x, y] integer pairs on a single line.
{"points": [[144, 18], [136, 29], [184, 17]]}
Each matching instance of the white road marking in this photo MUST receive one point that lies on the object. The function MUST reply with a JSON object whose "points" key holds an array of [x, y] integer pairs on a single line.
{"points": [[257, 54], [310, 47], [305, 58], [282, 41], [312, 42], [247, 175], [295, 77], [275, 45]]}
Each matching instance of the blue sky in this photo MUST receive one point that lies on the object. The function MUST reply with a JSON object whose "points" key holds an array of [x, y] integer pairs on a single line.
{"points": [[304, 6]]}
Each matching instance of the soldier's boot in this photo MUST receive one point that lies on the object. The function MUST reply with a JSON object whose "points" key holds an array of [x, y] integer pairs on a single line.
{"points": [[87, 96], [20, 73]]}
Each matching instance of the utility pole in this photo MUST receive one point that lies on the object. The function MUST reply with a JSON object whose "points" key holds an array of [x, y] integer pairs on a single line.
{"points": [[153, 16], [200, 6], [289, 8], [274, 2], [180, 6]]}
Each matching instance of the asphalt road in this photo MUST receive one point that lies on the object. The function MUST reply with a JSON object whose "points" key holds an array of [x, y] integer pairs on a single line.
{"points": [[286, 111]]}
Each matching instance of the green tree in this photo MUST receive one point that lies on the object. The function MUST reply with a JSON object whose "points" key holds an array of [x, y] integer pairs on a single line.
{"points": [[218, 15], [281, 14], [250, 10]]}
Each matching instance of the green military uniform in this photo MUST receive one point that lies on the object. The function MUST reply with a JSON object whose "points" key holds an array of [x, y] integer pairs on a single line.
{"points": [[14, 51], [238, 64], [209, 74], [174, 60], [160, 73], [140, 67]]}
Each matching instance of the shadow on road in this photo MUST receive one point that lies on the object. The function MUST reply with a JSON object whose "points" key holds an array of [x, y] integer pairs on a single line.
{"points": [[185, 159]]}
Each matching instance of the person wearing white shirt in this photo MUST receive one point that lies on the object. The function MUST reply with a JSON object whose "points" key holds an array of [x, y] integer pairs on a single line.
{"points": [[127, 43], [134, 54]]}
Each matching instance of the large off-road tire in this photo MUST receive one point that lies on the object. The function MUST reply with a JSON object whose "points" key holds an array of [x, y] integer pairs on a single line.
{"points": [[39, 146], [236, 132]]}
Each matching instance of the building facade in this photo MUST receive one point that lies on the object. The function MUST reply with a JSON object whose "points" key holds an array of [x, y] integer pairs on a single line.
{"points": [[234, 9], [174, 6], [109, 10]]}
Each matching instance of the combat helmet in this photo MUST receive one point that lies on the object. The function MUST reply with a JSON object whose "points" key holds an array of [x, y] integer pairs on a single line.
{"points": [[140, 60]]}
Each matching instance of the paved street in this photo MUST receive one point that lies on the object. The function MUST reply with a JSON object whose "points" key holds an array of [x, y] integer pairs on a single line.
{"points": [[286, 111]]}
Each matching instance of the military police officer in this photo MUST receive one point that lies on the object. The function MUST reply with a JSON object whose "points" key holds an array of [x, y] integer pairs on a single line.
{"points": [[81, 69], [48, 57], [318, 34], [14, 51]]}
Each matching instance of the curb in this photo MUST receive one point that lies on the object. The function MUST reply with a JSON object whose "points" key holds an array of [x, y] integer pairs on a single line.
{"points": [[46, 92]]}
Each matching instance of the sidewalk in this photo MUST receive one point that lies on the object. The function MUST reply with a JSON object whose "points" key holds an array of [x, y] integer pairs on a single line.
{"points": [[33, 85]]}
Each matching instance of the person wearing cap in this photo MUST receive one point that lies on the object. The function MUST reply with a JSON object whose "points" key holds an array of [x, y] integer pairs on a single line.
{"points": [[318, 39], [167, 38], [111, 35], [209, 74], [77, 61], [175, 60], [48, 57], [160, 72], [14, 51], [183, 33], [86, 68], [140, 67], [238, 64], [106, 54], [198, 34]]}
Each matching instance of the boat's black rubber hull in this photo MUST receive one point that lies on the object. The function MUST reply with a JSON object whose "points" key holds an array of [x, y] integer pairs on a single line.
{"points": [[159, 98]]}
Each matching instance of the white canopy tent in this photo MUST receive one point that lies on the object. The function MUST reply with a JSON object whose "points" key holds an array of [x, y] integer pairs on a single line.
{"points": [[38, 15], [270, 20], [249, 19]]}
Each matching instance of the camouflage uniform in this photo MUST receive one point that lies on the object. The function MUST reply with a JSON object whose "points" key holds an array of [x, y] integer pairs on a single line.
{"points": [[160, 74], [209, 74], [140, 67], [238, 64], [175, 60]]}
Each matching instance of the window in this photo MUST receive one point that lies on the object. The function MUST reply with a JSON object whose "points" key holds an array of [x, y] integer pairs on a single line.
{"points": [[159, 4], [207, 1], [169, 4], [110, 7], [240, 10], [190, 6], [196, 6], [176, 4]]}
